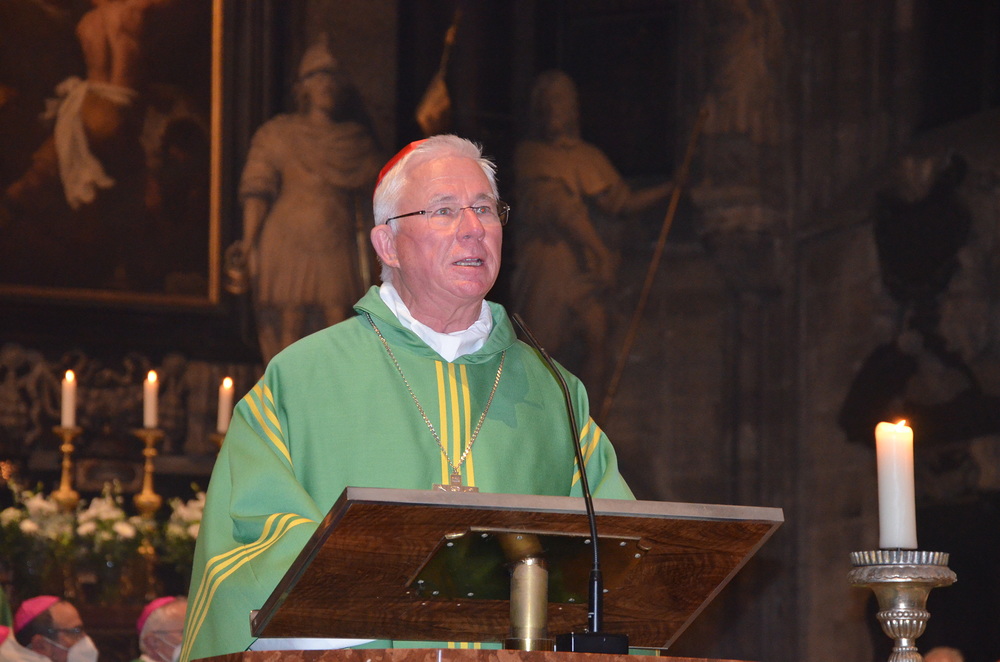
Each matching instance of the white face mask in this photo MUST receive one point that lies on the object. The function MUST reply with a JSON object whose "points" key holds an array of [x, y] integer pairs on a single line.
{"points": [[162, 646], [83, 650]]}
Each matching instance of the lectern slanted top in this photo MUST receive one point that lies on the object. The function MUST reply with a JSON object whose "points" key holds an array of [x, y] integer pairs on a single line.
{"points": [[370, 568]]}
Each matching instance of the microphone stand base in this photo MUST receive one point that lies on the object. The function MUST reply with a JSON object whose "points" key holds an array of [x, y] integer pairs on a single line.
{"points": [[592, 642]]}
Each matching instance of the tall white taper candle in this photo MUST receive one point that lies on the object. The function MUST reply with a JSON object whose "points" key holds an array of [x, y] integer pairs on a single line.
{"points": [[225, 405], [68, 419], [896, 503], [149, 395]]}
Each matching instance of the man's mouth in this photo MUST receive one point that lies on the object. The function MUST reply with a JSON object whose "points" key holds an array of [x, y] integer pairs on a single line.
{"points": [[469, 262]]}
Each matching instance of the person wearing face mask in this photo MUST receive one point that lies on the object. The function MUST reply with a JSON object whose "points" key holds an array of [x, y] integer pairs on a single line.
{"points": [[52, 627], [11, 651], [161, 629]]}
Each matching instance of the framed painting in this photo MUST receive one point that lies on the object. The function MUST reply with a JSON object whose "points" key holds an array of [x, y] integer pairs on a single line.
{"points": [[110, 151]]}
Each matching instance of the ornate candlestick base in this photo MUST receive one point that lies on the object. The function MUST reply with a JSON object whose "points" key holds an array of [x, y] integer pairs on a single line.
{"points": [[901, 580], [147, 502], [66, 496]]}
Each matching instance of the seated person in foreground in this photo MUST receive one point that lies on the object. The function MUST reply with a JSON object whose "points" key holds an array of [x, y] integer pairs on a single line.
{"points": [[52, 627], [11, 651], [161, 629], [426, 386]]}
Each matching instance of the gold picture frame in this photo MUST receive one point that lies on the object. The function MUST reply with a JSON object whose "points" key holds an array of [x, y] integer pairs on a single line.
{"points": [[111, 166]]}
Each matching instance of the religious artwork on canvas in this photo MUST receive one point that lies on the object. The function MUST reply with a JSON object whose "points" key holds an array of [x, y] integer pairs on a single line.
{"points": [[106, 186]]}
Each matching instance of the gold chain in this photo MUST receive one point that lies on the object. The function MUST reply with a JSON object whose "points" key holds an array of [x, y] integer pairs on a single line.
{"points": [[455, 468]]}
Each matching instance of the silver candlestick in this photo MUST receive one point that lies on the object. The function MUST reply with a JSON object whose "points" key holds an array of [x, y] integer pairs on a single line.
{"points": [[901, 580]]}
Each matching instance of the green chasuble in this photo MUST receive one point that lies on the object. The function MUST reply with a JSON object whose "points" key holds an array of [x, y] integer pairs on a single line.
{"points": [[332, 411]]}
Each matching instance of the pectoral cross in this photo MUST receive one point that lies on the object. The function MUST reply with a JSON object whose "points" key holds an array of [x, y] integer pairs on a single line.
{"points": [[455, 484]]}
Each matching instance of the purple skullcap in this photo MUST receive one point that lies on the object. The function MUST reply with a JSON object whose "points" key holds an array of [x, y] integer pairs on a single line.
{"points": [[31, 608], [150, 608]]}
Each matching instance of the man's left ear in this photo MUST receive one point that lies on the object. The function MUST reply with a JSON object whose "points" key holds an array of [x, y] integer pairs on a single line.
{"points": [[384, 242]]}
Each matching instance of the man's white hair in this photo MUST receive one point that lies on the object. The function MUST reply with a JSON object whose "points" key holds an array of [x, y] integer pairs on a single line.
{"points": [[390, 185]]}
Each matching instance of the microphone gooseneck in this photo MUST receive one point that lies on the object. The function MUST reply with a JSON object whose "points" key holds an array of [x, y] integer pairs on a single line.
{"points": [[593, 641]]}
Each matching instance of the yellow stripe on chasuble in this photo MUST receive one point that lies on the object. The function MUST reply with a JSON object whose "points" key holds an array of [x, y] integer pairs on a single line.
{"points": [[454, 418], [466, 399], [266, 417], [443, 417], [587, 446], [456, 428], [222, 566]]}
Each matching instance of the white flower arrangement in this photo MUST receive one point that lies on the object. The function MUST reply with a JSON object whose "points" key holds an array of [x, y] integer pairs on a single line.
{"points": [[185, 517], [36, 539], [37, 519], [181, 532], [97, 537], [103, 528]]}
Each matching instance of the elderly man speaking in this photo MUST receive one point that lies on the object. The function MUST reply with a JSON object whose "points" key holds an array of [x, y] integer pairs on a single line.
{"points": [[425, 387]]}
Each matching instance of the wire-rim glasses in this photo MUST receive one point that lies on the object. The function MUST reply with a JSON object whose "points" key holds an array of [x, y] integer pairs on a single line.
{"points": [[445, 217]]}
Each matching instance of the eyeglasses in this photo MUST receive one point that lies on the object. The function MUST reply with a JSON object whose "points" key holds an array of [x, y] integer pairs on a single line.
{"points": [[446, 217], [72, 633]]}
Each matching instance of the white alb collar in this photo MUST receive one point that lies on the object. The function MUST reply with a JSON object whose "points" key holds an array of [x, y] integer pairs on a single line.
{"points": [[449, 345]]}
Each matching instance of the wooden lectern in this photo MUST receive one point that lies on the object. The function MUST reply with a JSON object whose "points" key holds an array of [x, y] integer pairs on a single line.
{"points": [[430, 566]]}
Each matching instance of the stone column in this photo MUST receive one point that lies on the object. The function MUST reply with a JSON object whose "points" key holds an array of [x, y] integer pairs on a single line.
{"points": [[746, 239]]}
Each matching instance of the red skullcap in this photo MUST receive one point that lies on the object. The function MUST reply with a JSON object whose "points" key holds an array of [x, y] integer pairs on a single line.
{"points": [[396, 159], [150, 608], [31, 608]]}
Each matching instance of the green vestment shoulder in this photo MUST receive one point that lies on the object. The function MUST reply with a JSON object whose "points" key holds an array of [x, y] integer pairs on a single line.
{"points": [[333, 411]]}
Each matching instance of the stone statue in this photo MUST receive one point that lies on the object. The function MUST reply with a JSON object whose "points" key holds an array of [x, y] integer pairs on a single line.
{"points": [[563, 267], [306, 194]]}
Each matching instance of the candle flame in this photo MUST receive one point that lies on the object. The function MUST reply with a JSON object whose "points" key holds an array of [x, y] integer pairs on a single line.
{"points": [[70, 376], [901, 424], [151, 377], [227, 382]]}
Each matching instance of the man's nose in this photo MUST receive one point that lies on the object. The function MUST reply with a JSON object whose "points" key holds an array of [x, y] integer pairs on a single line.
{"points": [[469, 224]]}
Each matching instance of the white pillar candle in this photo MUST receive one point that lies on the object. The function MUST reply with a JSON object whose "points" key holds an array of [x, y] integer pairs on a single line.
{"points": [[69, 400], [225, 405], [149, 394], [896, 504]]}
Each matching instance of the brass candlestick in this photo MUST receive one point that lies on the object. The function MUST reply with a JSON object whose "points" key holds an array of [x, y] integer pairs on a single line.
{"points": [[901, 580], [147, 502], [66, 496]]}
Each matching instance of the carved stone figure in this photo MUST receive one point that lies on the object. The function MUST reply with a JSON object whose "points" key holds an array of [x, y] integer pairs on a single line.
{"points": [[564, 268], [306, 192]]}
